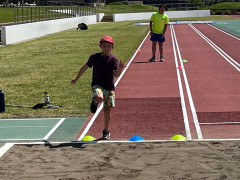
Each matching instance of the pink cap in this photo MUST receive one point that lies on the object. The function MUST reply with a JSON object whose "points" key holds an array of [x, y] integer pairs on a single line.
{"points": [[106, 39]]}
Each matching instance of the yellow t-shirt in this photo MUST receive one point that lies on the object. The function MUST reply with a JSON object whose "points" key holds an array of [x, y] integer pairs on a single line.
{"points": [[159, 20]]}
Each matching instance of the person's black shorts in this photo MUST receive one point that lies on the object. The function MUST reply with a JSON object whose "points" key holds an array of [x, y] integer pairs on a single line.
{"points": [[157, 37]]}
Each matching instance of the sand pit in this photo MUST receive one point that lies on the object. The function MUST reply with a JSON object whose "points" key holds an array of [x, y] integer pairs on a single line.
{"points": [[159, 160]]}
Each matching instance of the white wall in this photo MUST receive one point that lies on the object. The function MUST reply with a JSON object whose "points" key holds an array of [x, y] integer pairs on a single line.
{"points": [[171, 14], [99, 17], [131, 16], [22, 32], [192, 13]]}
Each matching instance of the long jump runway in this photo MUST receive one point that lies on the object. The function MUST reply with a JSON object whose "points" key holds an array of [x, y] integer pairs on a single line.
{"points": [[198, 97], [213, 73]]}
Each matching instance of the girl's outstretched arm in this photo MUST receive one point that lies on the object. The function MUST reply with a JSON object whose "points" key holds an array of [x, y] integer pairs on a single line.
{"points": [[80, 73]]}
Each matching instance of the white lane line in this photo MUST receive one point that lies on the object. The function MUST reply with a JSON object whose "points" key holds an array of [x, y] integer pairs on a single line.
{"points": [[219, 50], [185, 117], [116, 83], [194, 114], [8, 127], [5, 140], [5, 148], [223, 31], [53, 129], [120, 77], [90, 122], [32, 119]]}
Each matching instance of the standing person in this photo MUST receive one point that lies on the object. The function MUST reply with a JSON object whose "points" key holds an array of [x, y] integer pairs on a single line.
{"points": [[105, 68], [158, 26]]}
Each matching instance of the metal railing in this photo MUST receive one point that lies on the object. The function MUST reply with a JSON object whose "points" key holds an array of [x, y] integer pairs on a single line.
{"points": [[25, 14], [111, 9]]}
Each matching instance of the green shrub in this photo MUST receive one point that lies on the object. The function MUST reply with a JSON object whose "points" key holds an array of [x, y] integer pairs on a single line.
{"points": [[116, 3], [226, 5], [219, 12], [227, 12]]}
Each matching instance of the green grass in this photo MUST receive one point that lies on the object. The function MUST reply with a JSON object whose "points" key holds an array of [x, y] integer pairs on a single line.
{"points": [[6, 15], [50, 63], [225, 8], [226, 5]]}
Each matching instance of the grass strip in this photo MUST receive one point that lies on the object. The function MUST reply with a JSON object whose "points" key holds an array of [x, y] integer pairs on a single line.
{"points": [[50, 63]]}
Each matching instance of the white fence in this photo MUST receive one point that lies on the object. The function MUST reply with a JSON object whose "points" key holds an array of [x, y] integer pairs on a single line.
{"points": [[23, 32]]}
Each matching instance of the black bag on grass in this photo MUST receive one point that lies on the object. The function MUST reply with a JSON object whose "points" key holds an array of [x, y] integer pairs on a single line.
{"points": [[82, 26]]}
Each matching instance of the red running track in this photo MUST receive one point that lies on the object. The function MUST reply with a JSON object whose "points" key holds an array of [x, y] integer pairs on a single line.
{"points": [[214, 83], [148, 100]]}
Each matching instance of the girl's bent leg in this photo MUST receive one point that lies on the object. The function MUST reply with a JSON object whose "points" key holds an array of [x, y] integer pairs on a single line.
{"points": [[99, 98]]}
